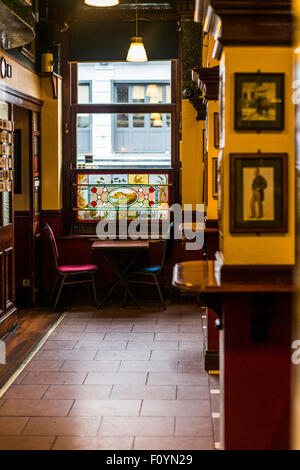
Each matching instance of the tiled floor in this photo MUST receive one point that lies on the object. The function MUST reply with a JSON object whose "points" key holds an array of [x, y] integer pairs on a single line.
{"points": [[113, 379]]}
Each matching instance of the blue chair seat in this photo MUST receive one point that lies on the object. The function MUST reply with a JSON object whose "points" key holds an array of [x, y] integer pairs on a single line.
{"points": [[146, 269]]}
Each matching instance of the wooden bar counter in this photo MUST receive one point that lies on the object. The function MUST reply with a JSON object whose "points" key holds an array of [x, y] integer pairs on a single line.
{"points": [[254, 308]]}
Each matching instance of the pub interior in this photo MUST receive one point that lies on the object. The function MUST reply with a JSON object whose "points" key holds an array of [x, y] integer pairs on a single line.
{"points": [[149, 213]]}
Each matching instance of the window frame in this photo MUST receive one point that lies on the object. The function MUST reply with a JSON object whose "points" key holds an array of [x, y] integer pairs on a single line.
{"points": [[70, 110]]}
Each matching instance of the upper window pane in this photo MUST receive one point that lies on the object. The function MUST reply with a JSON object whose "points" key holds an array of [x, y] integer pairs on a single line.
{"points": [[124, 82]]}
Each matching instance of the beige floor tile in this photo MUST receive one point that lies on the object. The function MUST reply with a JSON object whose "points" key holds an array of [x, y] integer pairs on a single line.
{"points": [[148, 366], [73, 355], [193, 345], [176, 408], [14, 407], [117, 378], [77, 328], [44, 366], [78, 392], [192, 392], [185, 355], [169, 328], [102, 345], [64, 426], [78, 336], [152, 345], [53, 344], [10, 425], [173, 443], [98, 443], [26, 443], [114, 328], [89, 321], [91, 366], [173, 378], [142, 355], [143, 392], [178, 336], [106, 408], [194, 426], [54, 378], [34, 392], [137, 426], [191, 366], [130, 336]]}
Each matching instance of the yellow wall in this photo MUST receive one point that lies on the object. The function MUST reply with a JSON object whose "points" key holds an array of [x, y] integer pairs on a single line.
{"points": [[266, 248], [23, 79], [27, 82], [21, 117], [51, 126], [191, 155]]}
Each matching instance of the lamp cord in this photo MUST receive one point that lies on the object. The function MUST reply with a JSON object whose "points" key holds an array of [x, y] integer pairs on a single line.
{"points": [[136, 19]]}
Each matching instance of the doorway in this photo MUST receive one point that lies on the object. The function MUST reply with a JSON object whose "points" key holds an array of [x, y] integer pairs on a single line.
{"points": [[27, 205]]}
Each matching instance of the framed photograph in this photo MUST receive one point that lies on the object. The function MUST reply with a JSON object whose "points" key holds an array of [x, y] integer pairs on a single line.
{"points": [[258, 193], [215, 178], [204, 144], [216, 131], [259, 101]]}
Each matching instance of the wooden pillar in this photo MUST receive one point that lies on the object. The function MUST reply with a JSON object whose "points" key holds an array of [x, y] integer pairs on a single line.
{"points": [[255, 371], [255, 340]]}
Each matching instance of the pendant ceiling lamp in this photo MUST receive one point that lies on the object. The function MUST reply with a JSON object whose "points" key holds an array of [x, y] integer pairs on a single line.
{"points": [[136, 51], [101, 3]]}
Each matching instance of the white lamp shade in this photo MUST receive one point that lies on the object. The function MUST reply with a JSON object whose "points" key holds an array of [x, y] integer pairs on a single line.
{"points": [[136, 51], [101, 3]]}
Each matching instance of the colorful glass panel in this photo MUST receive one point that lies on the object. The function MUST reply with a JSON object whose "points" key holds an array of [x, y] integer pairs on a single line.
{"points": [[115, 196]]}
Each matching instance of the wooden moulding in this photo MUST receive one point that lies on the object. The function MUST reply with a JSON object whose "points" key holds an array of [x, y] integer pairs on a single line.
{"points": [[249, 273], [249, 23], [209, 82]]}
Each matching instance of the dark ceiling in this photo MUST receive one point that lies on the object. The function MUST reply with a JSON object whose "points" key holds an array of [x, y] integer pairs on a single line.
{"points": [[77, 10]]}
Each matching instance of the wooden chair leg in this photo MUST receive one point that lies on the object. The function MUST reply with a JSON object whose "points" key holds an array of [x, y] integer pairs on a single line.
{"points": [[53, 290], [59, 291], [159, 291]]}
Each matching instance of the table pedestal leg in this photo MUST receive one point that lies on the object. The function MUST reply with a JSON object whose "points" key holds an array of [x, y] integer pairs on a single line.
{"points": [[121, 279], [255, 363]]}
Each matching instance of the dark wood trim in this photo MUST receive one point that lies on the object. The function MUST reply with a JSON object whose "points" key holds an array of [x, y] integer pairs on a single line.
{"points": [[18, 98], [248, 22], [259, 273], [208, 80], [54, 81], [123, 108], [52, 213], [21, 214], [211, 223], [211, 360]]}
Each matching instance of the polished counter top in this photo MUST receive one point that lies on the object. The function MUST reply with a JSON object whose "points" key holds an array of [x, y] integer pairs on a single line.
{"points": [[205, 277]]}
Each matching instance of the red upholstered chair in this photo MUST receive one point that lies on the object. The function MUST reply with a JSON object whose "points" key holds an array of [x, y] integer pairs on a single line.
{"points": [[65, 272]]}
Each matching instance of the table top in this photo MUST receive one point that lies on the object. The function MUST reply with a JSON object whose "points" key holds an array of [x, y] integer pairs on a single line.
{"points": [[201, 276], [120, 245], [197, 227]]}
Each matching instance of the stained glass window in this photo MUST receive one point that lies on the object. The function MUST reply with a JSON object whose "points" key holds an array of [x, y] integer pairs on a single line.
{"points": [[126, 196]]}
